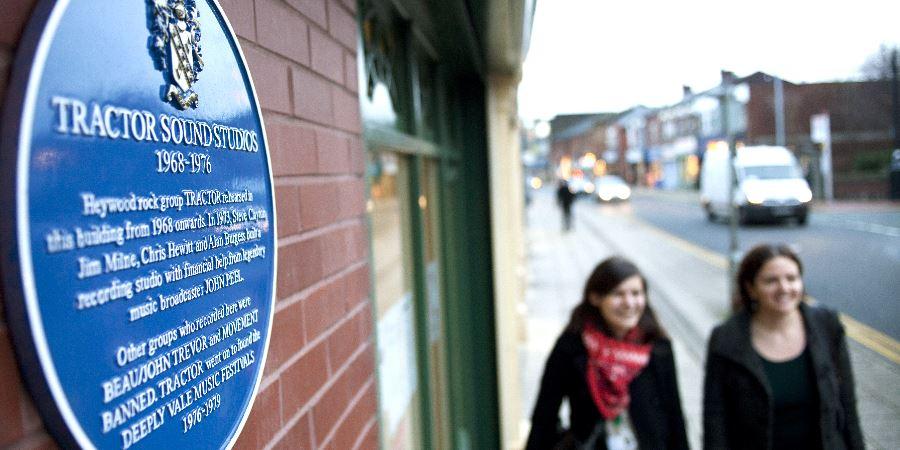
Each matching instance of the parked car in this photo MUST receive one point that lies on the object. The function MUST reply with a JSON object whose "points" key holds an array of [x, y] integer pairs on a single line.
{"points": [[609, 188], [770, 185]]}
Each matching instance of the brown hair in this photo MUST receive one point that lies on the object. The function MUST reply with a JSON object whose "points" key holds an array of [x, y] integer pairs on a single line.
{"points": [[750, 266], [608, 275]]}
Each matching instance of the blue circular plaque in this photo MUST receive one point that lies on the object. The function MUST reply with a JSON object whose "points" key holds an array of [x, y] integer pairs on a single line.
{"points": [[140, 260]]}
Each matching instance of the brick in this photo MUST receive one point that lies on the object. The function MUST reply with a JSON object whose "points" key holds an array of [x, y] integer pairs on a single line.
{"points": [[241, 16], [312, 97], [324, 308], [319, 204], [334, 251], [357, 242], [5, 69], [353, 199], [342, 25], [299, 266], [343, 342], [309, 271], [282, 30], [365, 325], [31, 420], [357, 156], [358, 285], [351, 73], [247, 439], [370, 440], [10, 394], [287, 203], [346, 111], [287, 336], [330, 407], [298, 437], [313, 10], [333, 152], [287, 283], [38, 441], [264, 421], [363, 414], [339, 397], [13, 19], [301, 380], [293, 147], [270, 75], [350, 5], [360, 371], [326, 56]]}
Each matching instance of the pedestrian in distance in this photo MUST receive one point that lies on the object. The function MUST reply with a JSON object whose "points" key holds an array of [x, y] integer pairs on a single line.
{"points": [[778, 373], [565, 197], [614, 364]]}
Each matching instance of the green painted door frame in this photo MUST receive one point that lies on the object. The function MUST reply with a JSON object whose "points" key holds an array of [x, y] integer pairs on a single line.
{"points": [[457, 143], [470, 310]]}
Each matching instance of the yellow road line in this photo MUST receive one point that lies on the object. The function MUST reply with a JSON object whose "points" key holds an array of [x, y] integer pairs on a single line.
{"points": [[867, 336], [708, 255], [872, 338]]}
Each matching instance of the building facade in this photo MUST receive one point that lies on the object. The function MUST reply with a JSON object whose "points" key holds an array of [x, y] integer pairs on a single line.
{"points": [[860, 127], [672, 139]]}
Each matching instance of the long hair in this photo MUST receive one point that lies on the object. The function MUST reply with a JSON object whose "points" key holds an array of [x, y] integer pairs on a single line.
{"points": [[608, 275], [750, 266]]}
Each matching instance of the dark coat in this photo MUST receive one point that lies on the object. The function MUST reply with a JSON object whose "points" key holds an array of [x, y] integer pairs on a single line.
{"points": [[655, 408], [737, 402], [564, 196]]}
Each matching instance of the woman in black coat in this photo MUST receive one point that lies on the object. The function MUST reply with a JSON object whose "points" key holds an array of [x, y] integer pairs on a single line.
{"points": [[616, 368], [778, 373]]}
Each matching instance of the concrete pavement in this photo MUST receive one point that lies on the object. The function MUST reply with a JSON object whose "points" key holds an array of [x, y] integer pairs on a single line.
{"points": [[688, 289]]}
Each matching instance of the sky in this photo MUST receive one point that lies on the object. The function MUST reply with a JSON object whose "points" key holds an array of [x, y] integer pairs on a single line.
{"points": [[607, 56]]}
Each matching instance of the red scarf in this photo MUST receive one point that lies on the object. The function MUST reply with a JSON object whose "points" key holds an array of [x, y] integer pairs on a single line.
{"points": [[612, 364]]}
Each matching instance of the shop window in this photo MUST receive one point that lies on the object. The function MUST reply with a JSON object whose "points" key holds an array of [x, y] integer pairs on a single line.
{"points": [[389, 215]]}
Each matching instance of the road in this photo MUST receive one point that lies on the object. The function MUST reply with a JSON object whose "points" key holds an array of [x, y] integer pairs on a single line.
{"points": [[851, 255], [688, 290]]}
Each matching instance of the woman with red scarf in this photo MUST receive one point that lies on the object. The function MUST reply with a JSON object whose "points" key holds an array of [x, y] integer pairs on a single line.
{"points": [[614, 364]]}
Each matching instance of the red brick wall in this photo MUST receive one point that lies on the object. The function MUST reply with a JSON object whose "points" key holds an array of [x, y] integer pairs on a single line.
{"points": [[860, 115], [853, 107], [318, 388], [866, 189]]}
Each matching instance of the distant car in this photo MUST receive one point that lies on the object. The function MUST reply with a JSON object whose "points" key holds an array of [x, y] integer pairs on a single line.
{"points": [[610, 188], [581, 186]]}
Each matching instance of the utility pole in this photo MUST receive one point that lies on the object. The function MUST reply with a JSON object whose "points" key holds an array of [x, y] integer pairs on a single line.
{"points": [[724, 105], [895, 155], [822, 124], [779, 111], [895, 89]]}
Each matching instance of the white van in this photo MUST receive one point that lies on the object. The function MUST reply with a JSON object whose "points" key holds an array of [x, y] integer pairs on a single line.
{"points": [[770, 184]]}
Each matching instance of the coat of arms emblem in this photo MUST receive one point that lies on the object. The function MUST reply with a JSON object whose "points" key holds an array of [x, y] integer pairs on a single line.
{"points": [[175, 43]]}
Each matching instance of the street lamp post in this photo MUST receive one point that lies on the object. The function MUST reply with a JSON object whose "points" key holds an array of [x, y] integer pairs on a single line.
{"points": [[724, 104]]}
